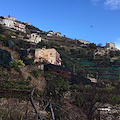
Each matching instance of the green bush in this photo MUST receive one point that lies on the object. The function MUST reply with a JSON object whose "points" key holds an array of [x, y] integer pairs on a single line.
{"points": [[12, 64], [20, 63], [79, 102], [75, 86], [35, 73], [29, 78]]}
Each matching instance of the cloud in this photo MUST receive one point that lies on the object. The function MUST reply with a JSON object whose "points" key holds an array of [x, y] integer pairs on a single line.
{"points": [[112, 4], [108, 4], [117, 43]]}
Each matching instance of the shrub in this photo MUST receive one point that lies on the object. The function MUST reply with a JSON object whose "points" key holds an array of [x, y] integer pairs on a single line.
{"points": [[12, 64], [35, 73], [79, 101], [75, 86], [20, 63], [29, 78]]}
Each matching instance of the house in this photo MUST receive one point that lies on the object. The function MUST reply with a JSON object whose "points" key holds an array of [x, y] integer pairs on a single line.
{"points": [[50, 55], [12, 22], [51, 33], [84, 42], [19, 26], [8, 22], [35, 37], [27, 23], [110, 46], [58, 34]]}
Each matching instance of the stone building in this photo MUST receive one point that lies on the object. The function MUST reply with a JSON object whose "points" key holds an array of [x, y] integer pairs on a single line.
{"points": [[110, 46]]}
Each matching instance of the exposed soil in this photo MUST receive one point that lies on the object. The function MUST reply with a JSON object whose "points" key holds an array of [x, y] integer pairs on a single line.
{"points": [[39, 82]]}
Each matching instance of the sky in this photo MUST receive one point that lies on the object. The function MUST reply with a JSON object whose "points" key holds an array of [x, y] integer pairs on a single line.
{"points": [[96, 21]]}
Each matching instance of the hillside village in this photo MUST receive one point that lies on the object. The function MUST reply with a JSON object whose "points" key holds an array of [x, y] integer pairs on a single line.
{"points": [[77, 79], [36, 36]]}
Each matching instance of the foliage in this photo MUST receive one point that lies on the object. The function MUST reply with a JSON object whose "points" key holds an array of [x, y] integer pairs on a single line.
{"points": [[79, 102], [43, 44], [56, 87], [2, 37], [27, 61], [35, 73], [5, 57], [16, 85], [16, 64], [20, 63], [13, 64], [92, 45], [75, 86], [16, 48]]}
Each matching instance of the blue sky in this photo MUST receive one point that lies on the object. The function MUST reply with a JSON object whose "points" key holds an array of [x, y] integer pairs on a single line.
{"points": [[72, 18]]}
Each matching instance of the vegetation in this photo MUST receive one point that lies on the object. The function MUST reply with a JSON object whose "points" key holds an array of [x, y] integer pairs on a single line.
{"points": [[63, 94]]}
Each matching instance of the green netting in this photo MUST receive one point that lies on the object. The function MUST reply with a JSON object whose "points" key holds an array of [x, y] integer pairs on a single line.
{"points": [[85, 62], [5, 57], [110, 77], [116, 72], [112, 69], [96, 68], [115, 66]]}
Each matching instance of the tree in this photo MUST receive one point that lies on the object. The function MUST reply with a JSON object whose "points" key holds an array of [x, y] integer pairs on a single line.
{"points": [[99, 44], [92, 45]]}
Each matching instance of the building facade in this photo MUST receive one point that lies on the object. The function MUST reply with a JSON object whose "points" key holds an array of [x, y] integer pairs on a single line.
{"points": [[8, 22], [35, 38], [110, 46], [84, 42], [12, 22], [51, 33], [50, 55], [19, 26]]}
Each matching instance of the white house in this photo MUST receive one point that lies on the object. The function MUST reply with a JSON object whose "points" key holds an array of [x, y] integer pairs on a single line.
{"points": [[51, 33], [8, 22], [19, 26], [84, 42], [12, 22], [58, 34], [35, 38]]}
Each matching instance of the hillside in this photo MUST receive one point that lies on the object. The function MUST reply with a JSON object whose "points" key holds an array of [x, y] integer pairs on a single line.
{"points": [[56, 92]]}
